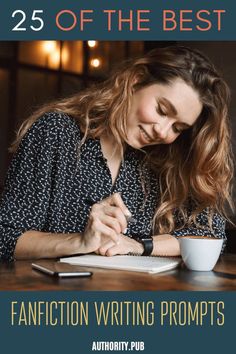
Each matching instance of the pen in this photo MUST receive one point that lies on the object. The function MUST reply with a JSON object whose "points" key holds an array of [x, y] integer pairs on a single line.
{"points": [[129, 218]]}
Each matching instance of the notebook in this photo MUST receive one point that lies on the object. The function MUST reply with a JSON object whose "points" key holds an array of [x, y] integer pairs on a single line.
{"points": [[127, 262]]}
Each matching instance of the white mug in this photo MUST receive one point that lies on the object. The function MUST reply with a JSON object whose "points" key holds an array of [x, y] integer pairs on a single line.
{"points": [[200, 253]]}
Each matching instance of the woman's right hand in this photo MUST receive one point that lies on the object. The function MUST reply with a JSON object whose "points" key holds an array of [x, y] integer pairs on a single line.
{"points": [[107, 220]]}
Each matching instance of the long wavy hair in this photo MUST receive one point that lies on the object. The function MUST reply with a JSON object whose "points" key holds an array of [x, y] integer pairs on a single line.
{"points": [[197, 167]]}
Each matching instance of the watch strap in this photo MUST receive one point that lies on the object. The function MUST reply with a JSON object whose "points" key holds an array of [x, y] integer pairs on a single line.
{"points": [[147, 245]]}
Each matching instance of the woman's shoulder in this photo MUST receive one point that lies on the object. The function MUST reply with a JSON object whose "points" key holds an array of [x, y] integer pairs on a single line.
{"points": [[55, 119], [54, 124], [52, 128]]}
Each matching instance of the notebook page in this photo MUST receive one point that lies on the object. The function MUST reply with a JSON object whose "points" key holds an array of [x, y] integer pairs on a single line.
{"points": [[131, 263]]}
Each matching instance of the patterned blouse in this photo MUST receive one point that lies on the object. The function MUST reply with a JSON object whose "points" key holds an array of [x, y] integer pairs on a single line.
{"points": [[51, 186]]}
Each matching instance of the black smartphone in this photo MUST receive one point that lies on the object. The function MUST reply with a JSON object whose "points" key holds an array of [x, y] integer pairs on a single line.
{"points": [[61, 270]]}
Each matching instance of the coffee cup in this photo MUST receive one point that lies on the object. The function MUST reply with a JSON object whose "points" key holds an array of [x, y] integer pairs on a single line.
{"points": [[200, 253]]}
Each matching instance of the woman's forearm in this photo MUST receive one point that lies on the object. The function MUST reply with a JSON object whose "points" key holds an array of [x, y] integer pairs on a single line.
{"points": [[36, 244], [165, 245]]}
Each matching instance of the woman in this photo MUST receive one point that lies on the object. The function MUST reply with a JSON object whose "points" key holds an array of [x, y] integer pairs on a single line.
{"points": [[147, 153]]}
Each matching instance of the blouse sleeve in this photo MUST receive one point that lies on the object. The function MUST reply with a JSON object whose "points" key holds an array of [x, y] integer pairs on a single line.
{"points": [[202, 227], [26, 196]]}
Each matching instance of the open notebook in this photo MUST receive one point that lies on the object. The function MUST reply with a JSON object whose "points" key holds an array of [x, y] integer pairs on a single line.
{"points": [[131, 263]]}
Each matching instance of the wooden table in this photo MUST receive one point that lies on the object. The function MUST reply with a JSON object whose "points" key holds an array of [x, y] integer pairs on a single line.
{"points": [[20, 276]]}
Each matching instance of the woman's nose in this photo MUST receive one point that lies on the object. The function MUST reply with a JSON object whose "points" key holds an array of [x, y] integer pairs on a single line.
{"points": [[160, 130]]}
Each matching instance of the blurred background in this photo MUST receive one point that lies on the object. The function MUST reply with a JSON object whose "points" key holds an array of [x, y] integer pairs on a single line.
{"points": [[36, 72]]}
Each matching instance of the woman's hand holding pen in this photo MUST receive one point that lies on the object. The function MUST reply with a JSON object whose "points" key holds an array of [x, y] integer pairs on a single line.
{"points": [[107, 221]]}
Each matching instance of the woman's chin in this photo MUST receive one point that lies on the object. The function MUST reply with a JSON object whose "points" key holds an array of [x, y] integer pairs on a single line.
{"points": [[135, 144]]}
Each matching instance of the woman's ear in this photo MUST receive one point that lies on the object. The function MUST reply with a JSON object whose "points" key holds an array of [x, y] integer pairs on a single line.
{"points": [[139, 79], [136, 83]]}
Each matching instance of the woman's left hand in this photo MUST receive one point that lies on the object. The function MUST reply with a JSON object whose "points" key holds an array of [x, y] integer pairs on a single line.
{"points": [[126, 245], [164, 245]]}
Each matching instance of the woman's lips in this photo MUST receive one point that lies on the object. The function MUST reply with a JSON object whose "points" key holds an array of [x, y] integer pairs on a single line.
{"points": [[145, 135]]}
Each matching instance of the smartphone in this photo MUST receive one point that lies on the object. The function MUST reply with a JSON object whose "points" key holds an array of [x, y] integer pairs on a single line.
{"points": [[61, 270]]}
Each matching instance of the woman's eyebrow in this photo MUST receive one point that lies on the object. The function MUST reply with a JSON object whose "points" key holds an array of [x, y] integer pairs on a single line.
{"points": [[171, 108], [168, 105]]}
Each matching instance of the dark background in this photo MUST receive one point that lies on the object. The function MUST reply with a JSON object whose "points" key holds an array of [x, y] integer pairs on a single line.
{"points": [[32, 73]]}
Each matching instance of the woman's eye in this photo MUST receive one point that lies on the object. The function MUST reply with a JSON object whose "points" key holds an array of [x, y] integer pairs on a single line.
{"points": [[161, 110], [177, 130]]}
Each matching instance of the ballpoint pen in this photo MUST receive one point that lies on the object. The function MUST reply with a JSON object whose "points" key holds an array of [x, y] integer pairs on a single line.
{"points": [[129, 219]]}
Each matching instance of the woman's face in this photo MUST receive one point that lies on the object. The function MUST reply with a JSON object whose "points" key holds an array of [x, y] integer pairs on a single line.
{"points": [[160, 112]]}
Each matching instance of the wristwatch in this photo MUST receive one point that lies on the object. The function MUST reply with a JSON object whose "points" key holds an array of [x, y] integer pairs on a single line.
{"points": [[147, 245]]}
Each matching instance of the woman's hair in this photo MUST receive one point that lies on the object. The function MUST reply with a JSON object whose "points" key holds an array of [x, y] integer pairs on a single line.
{"points": [[197, 167]]}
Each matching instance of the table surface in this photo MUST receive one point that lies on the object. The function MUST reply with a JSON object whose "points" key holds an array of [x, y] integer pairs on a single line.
{"points": [[20, 276]]}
